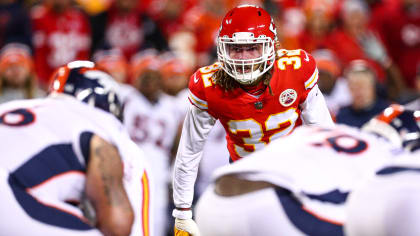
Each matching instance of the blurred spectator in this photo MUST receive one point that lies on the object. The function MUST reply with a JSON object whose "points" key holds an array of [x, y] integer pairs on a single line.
{"points": [[400, 30], [320, 16], [124, 27], [344, 41], [15, 23], [61, 35], [366, 103], [182, 43], [355, 40], [169, 14], [204, 22], [332, 85], [17, 77], [290, 24], [379, 9]]}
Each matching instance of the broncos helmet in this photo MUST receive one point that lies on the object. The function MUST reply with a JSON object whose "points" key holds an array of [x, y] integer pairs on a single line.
{"points": [[399, 125], [82, 80]]}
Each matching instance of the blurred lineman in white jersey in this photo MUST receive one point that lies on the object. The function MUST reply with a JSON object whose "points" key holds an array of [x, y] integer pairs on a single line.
{"points": [[322, 182], [150, 117], [61, 153]]}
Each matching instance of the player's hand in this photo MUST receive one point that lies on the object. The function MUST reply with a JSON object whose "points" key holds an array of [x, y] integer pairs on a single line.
{"points": [[186, 227]]}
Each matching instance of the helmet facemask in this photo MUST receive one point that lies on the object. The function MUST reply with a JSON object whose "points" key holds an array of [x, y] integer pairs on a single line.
{"points": [[244, 57]]}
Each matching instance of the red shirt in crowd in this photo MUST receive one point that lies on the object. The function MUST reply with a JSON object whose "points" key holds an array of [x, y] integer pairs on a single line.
{"points": [[58, 38], [348, 48], [400, 31], [124, 31]]}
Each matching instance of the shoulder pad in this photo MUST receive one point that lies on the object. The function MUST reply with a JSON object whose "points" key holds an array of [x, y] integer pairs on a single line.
{"points": [[199, 81], [300, 61]]}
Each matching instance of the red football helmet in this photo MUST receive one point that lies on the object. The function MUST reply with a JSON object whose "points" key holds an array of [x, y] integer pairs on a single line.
{"points": [[245, 44]]}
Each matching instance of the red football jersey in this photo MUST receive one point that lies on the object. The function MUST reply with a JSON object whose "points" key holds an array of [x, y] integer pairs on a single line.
{"points": [[59, 39], [125, 31], [251, 122], [400, 30]]}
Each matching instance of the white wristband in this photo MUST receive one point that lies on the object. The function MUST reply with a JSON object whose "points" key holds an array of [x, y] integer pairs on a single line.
{"points": [[185, 215]]}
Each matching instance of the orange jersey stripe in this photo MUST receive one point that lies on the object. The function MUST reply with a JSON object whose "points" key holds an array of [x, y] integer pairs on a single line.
{"points": [[146, 204], [322, 218], [390, 113]]}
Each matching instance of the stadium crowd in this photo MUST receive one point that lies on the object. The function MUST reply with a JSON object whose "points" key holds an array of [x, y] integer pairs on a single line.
{"points": [[367, 53]]}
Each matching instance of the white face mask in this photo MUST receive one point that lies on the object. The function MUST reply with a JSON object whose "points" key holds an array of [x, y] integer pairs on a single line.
{"points": [[245, 57]]}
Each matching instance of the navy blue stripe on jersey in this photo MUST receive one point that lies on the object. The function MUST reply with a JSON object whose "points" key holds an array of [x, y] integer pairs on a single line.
{"points": [[395, 169], [307, 223], [52, 161], [26, 117], [44, 213], [334, 196], [85, 138]]}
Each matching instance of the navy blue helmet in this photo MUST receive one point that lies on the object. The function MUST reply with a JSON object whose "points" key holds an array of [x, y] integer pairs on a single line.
{"points": [[88, 84], [399, 125]]}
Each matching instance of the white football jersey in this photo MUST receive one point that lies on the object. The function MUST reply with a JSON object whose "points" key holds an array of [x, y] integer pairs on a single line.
{"points": [[44, 149], [319, 166], [151, 124], [153, 128], [124, 91]]}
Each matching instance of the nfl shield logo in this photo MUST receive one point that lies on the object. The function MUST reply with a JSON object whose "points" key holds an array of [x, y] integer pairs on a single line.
{"points": [[288, 97]]}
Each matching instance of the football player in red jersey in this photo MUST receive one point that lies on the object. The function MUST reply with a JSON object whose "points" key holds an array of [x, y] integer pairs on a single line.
{"points": [[257, 92]]}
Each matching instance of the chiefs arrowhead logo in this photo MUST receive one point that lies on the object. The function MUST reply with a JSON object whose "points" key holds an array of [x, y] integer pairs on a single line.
{"points": [[288, 97]]}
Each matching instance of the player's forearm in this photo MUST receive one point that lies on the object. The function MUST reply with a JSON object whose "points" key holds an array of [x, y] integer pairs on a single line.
{"points": [[315, 110], [104, 188], [196, 127], [185, 174]]}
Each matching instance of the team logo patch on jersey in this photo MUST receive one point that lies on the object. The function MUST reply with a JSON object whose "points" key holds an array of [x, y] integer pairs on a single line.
{"points": [[288, 97]]}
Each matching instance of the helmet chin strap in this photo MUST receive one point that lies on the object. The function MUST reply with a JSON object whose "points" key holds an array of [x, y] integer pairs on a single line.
{"points": [[248, 78]]}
